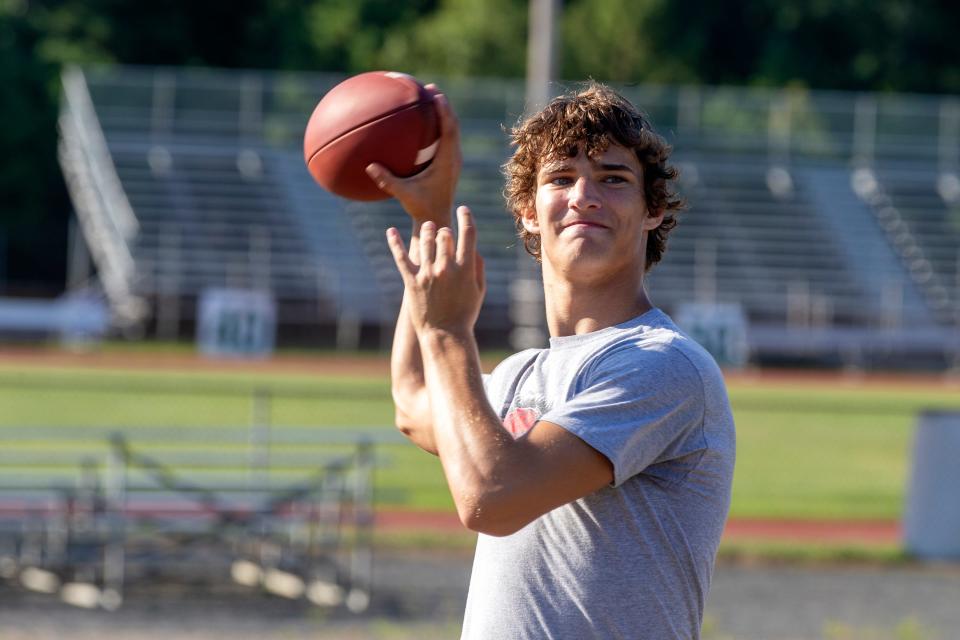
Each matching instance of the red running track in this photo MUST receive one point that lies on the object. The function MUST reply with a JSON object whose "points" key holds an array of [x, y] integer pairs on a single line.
{"points": [[880, 532]]}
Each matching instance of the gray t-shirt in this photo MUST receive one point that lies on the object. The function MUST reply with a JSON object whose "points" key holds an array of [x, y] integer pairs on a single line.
{"points": [[632, 560]]}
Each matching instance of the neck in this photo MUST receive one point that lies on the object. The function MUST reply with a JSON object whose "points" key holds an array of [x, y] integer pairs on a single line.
{"points": [[577, 308]]}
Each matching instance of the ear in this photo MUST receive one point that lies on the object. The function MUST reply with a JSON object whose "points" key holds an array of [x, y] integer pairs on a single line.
{"points": [[653, 220], [529, 219]]}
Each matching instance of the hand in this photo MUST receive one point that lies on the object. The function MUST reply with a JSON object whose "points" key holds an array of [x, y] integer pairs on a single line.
{"points": [[445, 290], [428, 195]]}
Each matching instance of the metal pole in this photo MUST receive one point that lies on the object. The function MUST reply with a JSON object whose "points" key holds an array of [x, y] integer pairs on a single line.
{"points": [[778, 128], [361, 557], [78, 258], [116, 511], [162, 110], [705, 271], [864, 130], [260, 257], [541, 52], [168, 281], [891, 304], [688, 114], [251, 108], [948, 136], [541, 70], [956, 319], [260, 422]]}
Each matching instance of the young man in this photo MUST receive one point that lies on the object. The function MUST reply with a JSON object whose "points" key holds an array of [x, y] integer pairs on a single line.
{"points": [[597, 471]]}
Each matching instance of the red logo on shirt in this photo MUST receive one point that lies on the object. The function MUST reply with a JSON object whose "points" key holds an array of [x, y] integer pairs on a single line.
{"points": [[519, 421]]}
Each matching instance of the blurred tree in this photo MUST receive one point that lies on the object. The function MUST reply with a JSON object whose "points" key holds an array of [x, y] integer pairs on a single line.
{"points": [[240, 33], [462, 38], [331, 35], [350, 35], [614, 41], [895, 45], [33, 201], [902, 45], [37, 37], [898, 45]]}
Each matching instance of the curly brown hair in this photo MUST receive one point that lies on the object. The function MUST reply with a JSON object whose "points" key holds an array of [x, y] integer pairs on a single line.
{"points": [[590, 120]]}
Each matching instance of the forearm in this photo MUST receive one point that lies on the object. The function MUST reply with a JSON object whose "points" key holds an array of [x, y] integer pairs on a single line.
{"points": [[410, 396], [499, 484], [408, 387], [474, 449]]}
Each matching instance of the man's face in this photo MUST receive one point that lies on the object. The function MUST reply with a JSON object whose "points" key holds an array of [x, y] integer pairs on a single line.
{"points": [[591, 215]]}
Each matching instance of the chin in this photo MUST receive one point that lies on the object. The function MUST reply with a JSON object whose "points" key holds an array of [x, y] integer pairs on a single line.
{"points": [[587, 263]]}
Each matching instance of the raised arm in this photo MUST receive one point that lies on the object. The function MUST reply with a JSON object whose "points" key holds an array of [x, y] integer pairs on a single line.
{"points": [[498, 484], [427, 196]]}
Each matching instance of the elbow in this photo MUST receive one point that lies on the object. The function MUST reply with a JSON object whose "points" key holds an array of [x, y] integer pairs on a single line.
{"points": [[490, 516], [415, 431], [403, 422], [409, 414]]}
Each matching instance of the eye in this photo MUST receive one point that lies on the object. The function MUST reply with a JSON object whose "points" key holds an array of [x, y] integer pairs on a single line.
{"points": [[614, 179], [561, 181]]}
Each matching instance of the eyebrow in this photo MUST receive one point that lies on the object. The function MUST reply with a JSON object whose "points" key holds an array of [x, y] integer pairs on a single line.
{"points": [[560, 167], [555, 167], [616, 167]]}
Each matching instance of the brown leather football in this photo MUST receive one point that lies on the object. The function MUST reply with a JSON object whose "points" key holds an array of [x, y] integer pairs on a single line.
{"points": [[379, 116]]}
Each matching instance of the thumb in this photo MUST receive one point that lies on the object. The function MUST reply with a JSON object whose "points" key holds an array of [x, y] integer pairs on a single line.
{"points": [[385, 181]]}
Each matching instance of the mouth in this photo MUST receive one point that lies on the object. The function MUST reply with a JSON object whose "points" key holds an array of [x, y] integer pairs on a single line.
{"points": [[583, 224]]}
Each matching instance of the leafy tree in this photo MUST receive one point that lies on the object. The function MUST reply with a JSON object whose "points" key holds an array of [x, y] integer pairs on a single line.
{"points": [[899, 45], [462, 38], [889, 45], [350, 35], [33, 202]]}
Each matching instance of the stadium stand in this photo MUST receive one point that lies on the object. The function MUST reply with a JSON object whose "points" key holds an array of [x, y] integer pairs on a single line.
{"points": [[480, 187], [760, 234], [830, 219], [86, 511], [923, 224]]}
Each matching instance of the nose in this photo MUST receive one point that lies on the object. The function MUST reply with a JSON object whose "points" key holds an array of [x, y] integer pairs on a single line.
{"points": [[583, 195]]}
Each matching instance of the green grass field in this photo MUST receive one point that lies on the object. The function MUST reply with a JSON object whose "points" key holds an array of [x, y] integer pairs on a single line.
{"points": [[804, 451]]}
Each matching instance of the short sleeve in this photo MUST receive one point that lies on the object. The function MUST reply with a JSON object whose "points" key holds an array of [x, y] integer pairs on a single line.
{"points": [[640, 408], [501, 384]]}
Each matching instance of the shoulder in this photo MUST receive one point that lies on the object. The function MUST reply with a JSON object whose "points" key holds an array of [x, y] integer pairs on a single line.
{"points": [[516, 362], [656, 351], [512, 366]]}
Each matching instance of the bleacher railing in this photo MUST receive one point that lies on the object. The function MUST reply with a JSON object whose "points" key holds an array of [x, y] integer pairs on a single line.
{"points": [[781, 131], [107, 218], [271, 108]]}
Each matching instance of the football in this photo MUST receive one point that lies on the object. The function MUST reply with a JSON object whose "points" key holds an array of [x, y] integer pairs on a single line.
{"points": [[379, 116]]}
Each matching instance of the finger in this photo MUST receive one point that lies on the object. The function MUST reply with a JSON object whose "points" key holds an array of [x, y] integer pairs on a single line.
{"points": [[445, 245], [385, 181], [449, 126], [405, 266], [467, 244], [428, 245]]}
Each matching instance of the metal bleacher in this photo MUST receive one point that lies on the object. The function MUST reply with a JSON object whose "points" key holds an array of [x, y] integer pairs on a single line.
{"points": [[480, 188], [222, 201], [782, 218], [87, 511], [921, 217], [203, 221], [755, 236]]}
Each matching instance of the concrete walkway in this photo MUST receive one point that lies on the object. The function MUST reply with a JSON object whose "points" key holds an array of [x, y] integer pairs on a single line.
{"points": [[420, 596]]}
